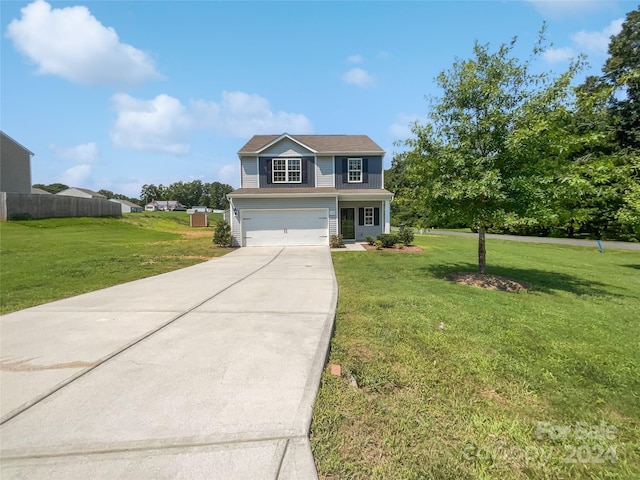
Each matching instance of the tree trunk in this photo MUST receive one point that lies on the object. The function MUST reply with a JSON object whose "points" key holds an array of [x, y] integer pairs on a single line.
{"points": [[482, 251]]}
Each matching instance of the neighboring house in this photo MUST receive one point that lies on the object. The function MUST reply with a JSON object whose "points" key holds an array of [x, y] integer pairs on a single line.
{"points": [[301, 189], [81, 193], [15, 166], [166, 205], [127, 206], [39, 191]]}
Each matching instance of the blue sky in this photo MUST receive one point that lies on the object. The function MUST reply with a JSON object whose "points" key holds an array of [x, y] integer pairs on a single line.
{"points": [[116, 94]]}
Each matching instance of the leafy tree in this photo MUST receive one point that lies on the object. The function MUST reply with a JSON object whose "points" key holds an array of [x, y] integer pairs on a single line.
{"points": [[622, 71], [218, 195], [119, 196], [187, 193], [604, 179], [466, 164], [52, 187], [403, 210], [152, 192]]}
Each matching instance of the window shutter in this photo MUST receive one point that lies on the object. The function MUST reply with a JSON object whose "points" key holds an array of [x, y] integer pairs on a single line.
{"points": [[365, 170], [304, 166], [361, 216], [376, 216], [268, 166], [345, 171]]}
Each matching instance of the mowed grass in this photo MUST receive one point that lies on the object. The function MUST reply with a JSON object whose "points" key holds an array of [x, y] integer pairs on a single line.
{"points": [[456, 382], [45, 260]]}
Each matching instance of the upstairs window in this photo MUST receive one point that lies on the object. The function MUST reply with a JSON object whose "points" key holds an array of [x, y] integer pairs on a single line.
{"points": [[354, 169], [287, 170]]}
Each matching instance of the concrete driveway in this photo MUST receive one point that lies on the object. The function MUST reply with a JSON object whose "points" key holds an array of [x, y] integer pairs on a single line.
{"points": [[206, 372]]}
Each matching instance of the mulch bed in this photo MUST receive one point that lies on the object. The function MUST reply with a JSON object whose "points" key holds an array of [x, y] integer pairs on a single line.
{"points": [[490, 282], [396, 249]]}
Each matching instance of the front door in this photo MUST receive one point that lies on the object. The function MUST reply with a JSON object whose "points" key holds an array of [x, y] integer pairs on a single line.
{"points": [[347, 223]]}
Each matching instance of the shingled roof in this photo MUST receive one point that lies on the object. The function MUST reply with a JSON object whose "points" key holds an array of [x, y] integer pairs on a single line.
{"points": [[319, 143]]}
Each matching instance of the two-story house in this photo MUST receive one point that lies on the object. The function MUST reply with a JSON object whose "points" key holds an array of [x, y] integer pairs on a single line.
{"points": [[301, 189]]}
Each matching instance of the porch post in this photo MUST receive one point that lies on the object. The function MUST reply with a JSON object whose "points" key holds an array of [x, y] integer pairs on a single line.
{"points": [[387, 216]]}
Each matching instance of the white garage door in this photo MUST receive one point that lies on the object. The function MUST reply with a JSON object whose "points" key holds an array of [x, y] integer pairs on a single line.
{"points": [[262, 228]]}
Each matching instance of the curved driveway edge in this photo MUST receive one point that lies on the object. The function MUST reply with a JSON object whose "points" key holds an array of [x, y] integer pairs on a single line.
{"points": [[209, 371]]}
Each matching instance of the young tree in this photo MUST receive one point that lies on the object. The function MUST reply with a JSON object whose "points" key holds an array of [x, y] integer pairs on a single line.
{"points": [[465, 165]]}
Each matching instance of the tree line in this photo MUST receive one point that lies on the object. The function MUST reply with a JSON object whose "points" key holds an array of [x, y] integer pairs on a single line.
{"points": [[196, 192], [508, 149]]}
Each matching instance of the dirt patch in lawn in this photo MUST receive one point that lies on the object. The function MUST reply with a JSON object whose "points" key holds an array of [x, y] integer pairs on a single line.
{"points": [[488, 281], [396, 249]]}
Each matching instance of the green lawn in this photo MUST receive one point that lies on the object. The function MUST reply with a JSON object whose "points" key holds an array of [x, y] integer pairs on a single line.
{"points": [[539, 384], [45, 260]]}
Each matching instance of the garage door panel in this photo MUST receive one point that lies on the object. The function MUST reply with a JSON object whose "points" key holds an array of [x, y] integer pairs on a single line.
{"points": [[285, 227]]}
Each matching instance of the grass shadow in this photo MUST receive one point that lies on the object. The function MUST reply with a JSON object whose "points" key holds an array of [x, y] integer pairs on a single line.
{"points": [[541, 280], [637, 267]]}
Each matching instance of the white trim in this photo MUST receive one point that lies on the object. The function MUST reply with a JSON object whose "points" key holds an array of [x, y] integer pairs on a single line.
{"points": [[282, 137], [333, 171], [387, 216], [316, 171], [337, 218], [360, 153], [286, 170], [361, 171], [372, 216]]}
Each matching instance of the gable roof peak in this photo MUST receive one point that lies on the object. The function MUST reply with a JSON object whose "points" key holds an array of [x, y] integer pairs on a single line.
{"points": [[332, 143]]}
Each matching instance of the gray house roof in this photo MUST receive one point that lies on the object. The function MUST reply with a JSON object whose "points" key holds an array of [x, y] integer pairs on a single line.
{"points": [[85, 190], [316, 143], [125, 202]]}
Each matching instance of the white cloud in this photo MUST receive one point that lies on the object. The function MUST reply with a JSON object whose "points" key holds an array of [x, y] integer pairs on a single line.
{"points": [[229, 174], [401, 129], [242, 115], [557, 55], [355, 59], [358, 77], [76, 176], [71, 43], [568, 8], [83, 153], [598, 42], [592, 43], [161, 124], [156, 125]]}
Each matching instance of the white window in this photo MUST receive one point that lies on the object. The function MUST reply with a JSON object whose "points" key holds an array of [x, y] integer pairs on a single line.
{"points": [[354, 168], [368, 216], [286, 170]]}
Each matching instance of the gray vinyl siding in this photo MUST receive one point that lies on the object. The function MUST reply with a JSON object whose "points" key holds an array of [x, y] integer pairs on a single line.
{"points": [[249, 169], [282, 203], [285, 147], [308, 174], [363, 231], [324, 172], [15, 166], [373, 173]]}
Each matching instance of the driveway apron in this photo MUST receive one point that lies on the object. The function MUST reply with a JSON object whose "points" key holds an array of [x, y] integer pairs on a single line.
{"points": [[206, 372]]}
